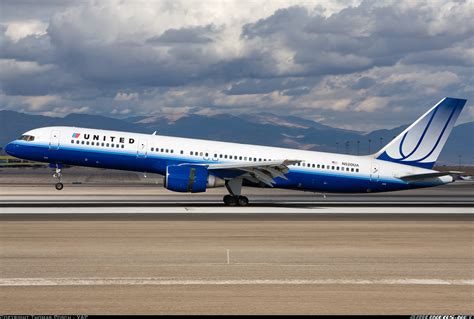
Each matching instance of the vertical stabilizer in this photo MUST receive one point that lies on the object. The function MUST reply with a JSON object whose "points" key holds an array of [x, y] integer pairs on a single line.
{"points": [[421, 143]]}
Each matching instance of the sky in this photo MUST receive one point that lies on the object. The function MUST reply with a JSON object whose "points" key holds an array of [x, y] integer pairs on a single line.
{"points": [[359, 65]]}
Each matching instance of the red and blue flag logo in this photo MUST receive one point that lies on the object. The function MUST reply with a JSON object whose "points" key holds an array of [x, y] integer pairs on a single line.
{"points": [[76, 135]]}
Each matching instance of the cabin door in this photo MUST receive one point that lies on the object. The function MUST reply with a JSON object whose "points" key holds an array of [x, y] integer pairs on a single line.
{"points": [[142, 149], [54, 140], [374, 172]]}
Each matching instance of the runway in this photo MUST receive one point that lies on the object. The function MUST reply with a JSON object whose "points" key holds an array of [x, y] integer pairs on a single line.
{"points": [[141, 250], [456, 195]]}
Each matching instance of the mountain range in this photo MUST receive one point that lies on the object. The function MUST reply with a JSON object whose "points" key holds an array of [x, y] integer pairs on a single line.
{"points": [[261, 128]]}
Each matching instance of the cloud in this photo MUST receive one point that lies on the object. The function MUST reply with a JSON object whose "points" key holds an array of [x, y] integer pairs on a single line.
{"points": [[353, 62], [38, 102], [122, 96], [372, 103], [22, 29], [185, 35]]}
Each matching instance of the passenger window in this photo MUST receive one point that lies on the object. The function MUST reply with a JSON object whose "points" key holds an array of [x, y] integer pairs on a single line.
{"points": [[82, 142], [152, 149], [322, 166], [207, 154], [200, 153], [72, 141], [357, 170], [314, 166], [107, 144], [337, 168], [122, 146], [182, 152], [112, 145], [352, 169]]}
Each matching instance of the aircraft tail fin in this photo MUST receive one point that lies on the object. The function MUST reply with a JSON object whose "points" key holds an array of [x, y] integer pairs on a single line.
{"points": [[421, 143]]}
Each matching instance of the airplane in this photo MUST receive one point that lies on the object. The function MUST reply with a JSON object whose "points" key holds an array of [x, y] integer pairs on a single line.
{"points": [[194, 165]]}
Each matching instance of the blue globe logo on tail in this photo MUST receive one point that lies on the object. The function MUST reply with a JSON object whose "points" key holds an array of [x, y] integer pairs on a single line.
{"points": [[421, 143]]}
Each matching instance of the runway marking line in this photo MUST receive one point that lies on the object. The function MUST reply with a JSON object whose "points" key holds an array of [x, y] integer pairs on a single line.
{"points": [[162, 281]]}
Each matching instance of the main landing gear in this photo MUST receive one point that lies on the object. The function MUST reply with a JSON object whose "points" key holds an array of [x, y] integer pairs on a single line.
{"points": [[230, 200], [59, 186], [234, 186]]}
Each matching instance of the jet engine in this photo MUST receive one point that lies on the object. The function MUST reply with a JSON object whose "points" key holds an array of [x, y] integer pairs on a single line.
{"points": [[190, 179]]}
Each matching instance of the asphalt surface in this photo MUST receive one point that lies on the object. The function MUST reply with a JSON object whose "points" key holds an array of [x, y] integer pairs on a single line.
{"points": [[142, 250]]}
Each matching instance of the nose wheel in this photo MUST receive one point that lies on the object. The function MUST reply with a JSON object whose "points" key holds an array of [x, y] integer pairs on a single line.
{"points": [[59, 186], [230, 200]]}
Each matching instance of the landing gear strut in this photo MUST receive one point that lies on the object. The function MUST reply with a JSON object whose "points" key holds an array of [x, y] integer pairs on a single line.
{"points": [[234, 186], [58, 175]]}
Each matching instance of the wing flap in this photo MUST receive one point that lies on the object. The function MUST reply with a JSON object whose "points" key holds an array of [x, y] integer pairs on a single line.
{"points": [[264, 172]]}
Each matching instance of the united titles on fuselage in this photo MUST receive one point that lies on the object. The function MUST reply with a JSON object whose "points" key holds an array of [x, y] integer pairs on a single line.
{"points": [[105, 138]]}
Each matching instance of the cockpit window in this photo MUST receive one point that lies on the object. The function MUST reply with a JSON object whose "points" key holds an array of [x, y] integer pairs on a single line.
{"points": [[27, 138]]}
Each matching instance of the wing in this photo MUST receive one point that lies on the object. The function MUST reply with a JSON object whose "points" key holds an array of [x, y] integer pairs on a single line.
{"points": [[255, 172]]}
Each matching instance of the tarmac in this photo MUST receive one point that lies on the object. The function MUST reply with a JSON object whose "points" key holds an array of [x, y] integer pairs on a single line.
{"points": [[107, 248]]}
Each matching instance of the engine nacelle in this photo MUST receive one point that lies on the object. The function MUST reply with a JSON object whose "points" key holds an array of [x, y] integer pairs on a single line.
{"points": [[190, 178]]}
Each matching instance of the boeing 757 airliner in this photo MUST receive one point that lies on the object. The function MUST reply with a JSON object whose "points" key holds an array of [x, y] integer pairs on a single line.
{"points": [[192, 165]]}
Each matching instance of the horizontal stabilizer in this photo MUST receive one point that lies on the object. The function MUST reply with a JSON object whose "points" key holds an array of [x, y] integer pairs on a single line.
{"points": [[427, 176]]}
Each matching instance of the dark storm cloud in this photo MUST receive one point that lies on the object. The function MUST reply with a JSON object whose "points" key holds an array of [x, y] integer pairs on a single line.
{"points": [[13, 10], [357, 38], [30, 48]]}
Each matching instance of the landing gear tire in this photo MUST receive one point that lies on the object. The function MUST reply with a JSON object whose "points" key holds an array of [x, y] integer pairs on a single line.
{"points": [[59, 186], [243, 201], [230, 200]]}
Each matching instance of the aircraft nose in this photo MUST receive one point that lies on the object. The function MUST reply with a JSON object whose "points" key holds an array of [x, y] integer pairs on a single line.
{"points": [[10, 149]]}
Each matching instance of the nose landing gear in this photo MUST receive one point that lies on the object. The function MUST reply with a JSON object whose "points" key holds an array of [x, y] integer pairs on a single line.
{"points": [[59, 186]]}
